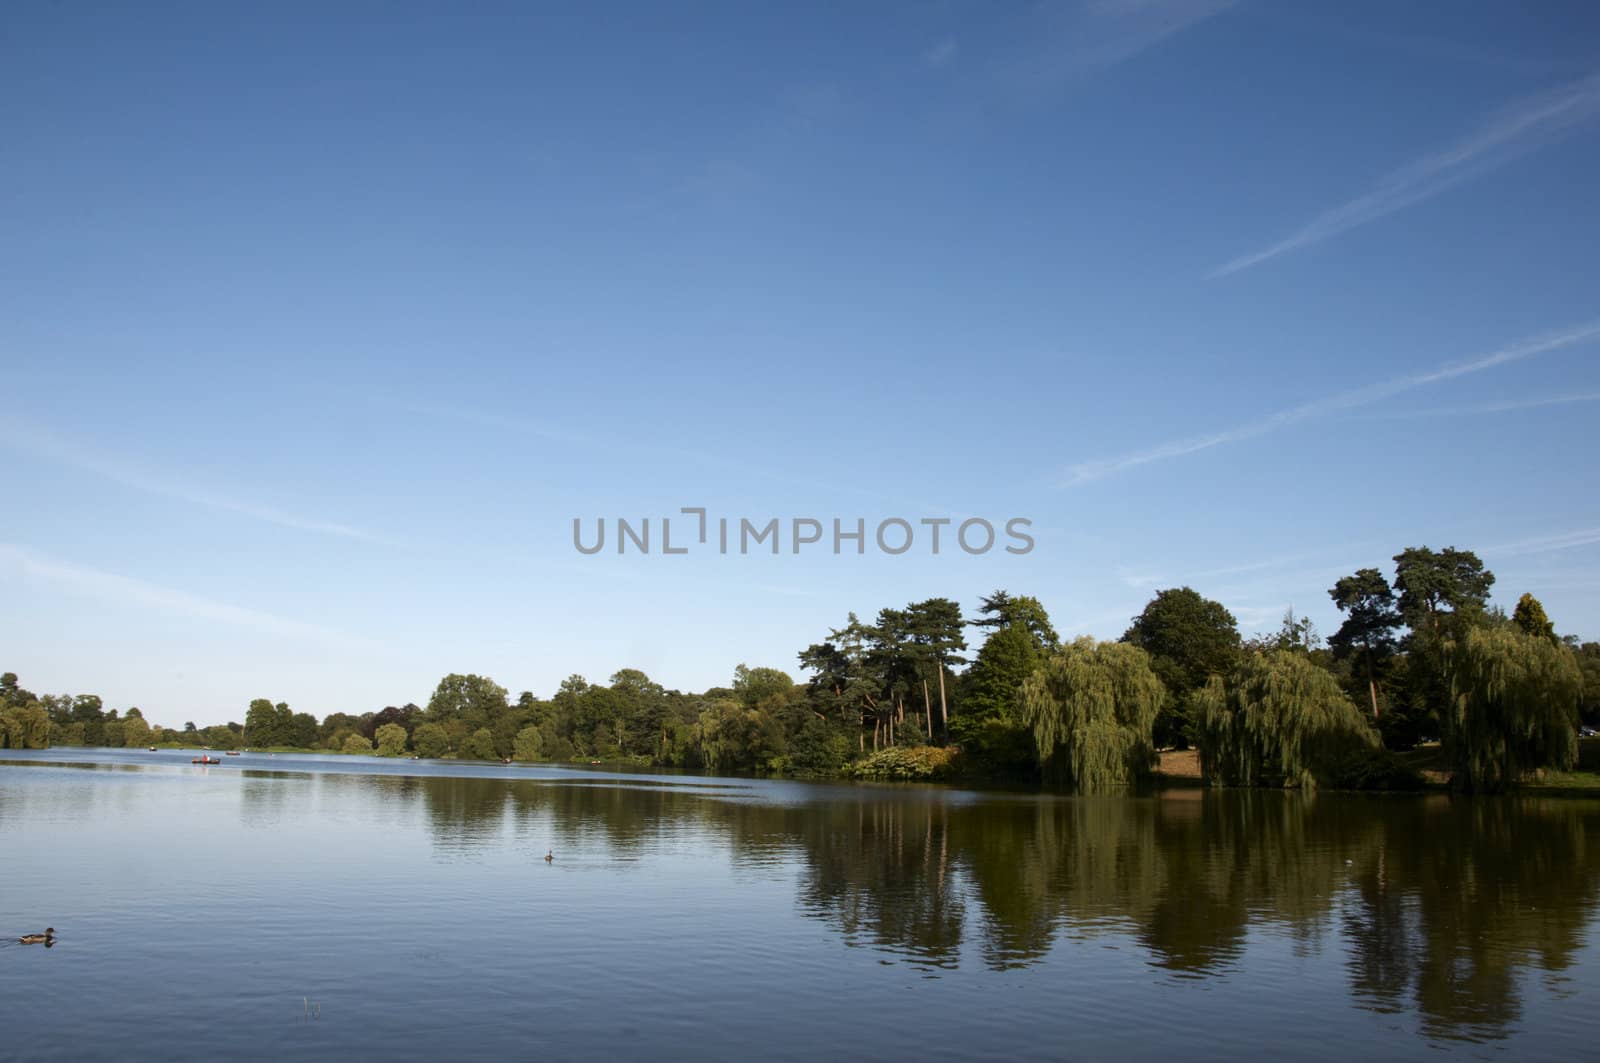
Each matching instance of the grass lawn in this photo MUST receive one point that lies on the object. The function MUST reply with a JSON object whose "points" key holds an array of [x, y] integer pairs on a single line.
{"points": [[1429, 760]]}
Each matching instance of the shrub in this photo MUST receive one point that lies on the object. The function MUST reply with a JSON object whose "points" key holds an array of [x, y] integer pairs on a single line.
{"points": [[922, 763]]}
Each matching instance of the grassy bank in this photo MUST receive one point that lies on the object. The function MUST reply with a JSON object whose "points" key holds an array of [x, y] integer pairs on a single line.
{"points": [[1182, 768]]}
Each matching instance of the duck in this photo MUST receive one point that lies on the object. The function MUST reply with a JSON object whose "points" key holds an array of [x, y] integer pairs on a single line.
{"points": [[46, 938], [549, 856]]}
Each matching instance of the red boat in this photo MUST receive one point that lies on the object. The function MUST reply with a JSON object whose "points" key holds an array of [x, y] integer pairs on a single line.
{"points": [[206, 760]]}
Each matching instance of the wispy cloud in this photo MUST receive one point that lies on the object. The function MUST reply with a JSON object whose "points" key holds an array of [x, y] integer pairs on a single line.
{"points": [[487, 418], [1493, 407], [1255, 617], [20, 562], [1144, 579], [1086, 471], [1080, 38], [1436, 45], [33, 440], [1509, 133], [1546, 543]]}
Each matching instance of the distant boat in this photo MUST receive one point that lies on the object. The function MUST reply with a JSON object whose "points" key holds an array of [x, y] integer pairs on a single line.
{"points": [[233, 752], [206, 760], [152, 749]]}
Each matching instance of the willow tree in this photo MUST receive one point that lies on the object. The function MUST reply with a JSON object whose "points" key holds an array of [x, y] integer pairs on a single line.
{"points": [[1091, 707], [1513, 706], [1277, 720]]}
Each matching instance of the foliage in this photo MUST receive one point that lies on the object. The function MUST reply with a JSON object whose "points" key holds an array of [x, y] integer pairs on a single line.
{"points": [[479, 745], [135, 731], [357, 744], [529, 744], [896, 682], [1373, 769], [1091, 707], [1531, 618], [989, 726], [1432, 583], [874, 676], [1278, 720], [1588, 658], [1371, 617], [911, 763], [1513, 706], [429, 740], [391, 740], [24, 727], [1189, 639], [819, 748], [1001, 610]]}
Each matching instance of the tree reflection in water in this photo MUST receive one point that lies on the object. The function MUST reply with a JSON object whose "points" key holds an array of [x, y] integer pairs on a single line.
{"points": [[1437, 903]]}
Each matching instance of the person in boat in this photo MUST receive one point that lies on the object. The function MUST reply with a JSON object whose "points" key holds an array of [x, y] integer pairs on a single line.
{"points": [[46, 939]]}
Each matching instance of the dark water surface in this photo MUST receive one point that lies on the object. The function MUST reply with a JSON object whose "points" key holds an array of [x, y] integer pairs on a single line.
{"points": [[320, 907]]}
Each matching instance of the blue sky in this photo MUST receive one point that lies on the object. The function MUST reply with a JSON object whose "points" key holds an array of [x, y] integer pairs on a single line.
{"points": [[321, 326]]}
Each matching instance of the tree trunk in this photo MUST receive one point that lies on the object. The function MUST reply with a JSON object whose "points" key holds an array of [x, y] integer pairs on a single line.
{"points": [[927, 709], [1372, 683], [944, 713]]}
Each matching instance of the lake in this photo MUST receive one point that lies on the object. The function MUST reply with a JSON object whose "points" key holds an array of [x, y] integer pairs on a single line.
{"points": [[320, 907]]}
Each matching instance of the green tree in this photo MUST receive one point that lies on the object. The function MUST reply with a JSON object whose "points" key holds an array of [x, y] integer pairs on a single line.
{"points": [[1000, 610], [88, 711], [1278, 720], [135, 730], [480, 745], [529, 744], [844, 681], [989, 727], [935, 630], [25, 726], [430, 740], [261, 725], [1530, 617], [1091, 707], [357, 744], [391, 740], [302, 731], [636, 713], [1189, 639], [1588, 658], [755, 687], [1513, 706], [1371, 618], [1432, 583], [465, 704]]}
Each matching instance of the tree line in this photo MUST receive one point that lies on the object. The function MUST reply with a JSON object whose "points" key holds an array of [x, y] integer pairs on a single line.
{"points": [[1421, 655]]}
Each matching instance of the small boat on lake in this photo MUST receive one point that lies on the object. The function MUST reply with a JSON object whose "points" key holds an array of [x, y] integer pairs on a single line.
{"points": [[206, 760], [152, 749], [233, 752]]}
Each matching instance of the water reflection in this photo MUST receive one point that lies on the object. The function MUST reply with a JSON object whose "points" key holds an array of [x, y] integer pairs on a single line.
{"points": [[1431, 907], [1438, 903]]}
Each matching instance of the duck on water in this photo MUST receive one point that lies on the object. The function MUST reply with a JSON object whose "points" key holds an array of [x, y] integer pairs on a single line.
{"points": [[46, 939]]}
